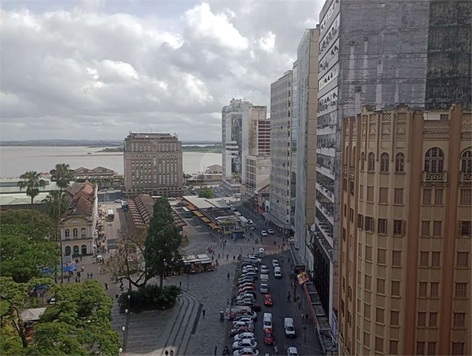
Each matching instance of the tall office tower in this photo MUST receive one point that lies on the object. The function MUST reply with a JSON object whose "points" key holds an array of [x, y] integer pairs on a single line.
{"points": [[280, 152], [294, 144], [306, 101], [405, 266], [153, 164], [380, 53], [256, 154], [233, 117]]}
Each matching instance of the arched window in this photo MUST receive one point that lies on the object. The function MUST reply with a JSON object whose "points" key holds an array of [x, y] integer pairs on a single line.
{"points": [[362, 161], [83, 232], [67, 233], [371, 163], [384, 164], [467, 161], [83, 250], [434, 160], [67, 250], [400, 162], [353, 164], [76, 250], [346, 155], [76, 233]]}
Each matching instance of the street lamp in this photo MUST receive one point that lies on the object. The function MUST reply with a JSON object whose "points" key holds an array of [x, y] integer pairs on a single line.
{"points": [[123, 328], [120, 350]]}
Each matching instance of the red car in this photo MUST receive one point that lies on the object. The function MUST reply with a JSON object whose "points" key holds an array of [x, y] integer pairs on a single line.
{"points": [[245, 289], [268, 300], [268, 337]]}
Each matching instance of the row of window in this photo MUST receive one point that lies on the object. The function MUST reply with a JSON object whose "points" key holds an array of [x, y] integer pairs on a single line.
{"points": [[75, 232], [433, 162]]}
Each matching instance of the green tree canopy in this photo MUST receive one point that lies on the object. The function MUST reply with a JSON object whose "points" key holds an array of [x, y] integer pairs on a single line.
{"points": [[31, 181], [206, 192], [162, 254], [37, 224], [22, 256]]}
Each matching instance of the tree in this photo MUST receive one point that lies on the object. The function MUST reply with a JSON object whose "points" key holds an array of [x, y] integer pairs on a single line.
{"points": [[80, 324], [128, 260], [31, 180], [52, 203], [62, 175], [13, 298], [22, 256], [37, 224], [206, 192], [162, 255]]}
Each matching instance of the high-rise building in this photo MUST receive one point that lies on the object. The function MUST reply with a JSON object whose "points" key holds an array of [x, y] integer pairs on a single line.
{"points": [[305, 103], [381, 54], [233, 116], [153, 164], [280, 152], [405, 246]]}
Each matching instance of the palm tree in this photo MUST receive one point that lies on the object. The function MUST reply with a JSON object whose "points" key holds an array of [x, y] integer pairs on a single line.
{"points": [[62, 175], [31, 180], [52, 203], [111, 180]]}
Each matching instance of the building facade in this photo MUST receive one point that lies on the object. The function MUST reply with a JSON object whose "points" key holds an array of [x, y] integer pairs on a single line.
{"points": [[153, 164], [281, 152], [78, 225], [405, 241], [232, 117], [381, 54], [307, 95]]}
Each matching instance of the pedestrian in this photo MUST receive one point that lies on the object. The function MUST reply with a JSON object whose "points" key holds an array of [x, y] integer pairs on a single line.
{"points": [[106, 286], [289, 260], [212, 256], [100, 269], [116, 296], [88, 275], [299, 305], [228, 275], [82, 268], [227, 257], [204, 312], [68, 279], [180, 284], [171, 352], [91, 275], [216, 349], [227, 301], [219, 256], [167, 353], [234, 258]]}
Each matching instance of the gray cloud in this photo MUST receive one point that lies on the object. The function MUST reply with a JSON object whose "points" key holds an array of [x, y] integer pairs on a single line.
{"points": [[88, 73]]}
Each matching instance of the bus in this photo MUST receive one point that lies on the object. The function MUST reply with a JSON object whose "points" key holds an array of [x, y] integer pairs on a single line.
{"points": [[110, 215], [124, 205], [186, 212]]}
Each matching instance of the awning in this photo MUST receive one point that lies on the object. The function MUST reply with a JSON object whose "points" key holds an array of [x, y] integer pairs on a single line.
{"points": [[32, 314], [199, 214], [213, 226], [206, 220]]}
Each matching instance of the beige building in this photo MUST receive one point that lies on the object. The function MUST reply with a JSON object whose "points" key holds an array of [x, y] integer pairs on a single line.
{"points": [[280, 152], [79, 223], [405, 233], [153, 164]]}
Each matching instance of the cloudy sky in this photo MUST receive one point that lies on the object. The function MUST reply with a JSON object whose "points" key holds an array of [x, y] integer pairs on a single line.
{"points": [[98, 69]]}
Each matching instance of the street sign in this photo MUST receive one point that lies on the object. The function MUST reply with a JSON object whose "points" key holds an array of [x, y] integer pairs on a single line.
{"points": [[302, 278]]}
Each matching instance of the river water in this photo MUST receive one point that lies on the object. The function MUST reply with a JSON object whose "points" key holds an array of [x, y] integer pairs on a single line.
{"points": [[15, 160]]}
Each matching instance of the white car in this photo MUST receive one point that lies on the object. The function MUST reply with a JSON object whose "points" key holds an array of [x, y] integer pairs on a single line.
{"points": [[250, 221], [246, 319], [246, 351], [244, 344], [244, 336], [275, 263], [292, 351], [265, 269], [271, 231], [264, 288], [238, 324], [263, 233], [277, 272]]}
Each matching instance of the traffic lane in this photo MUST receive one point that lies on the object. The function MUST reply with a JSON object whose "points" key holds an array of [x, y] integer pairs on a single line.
{"points": [[278, 289]]}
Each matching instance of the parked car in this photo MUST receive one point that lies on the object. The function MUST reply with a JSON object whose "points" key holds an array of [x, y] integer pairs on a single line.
{"points": [[277, 272], [248, 351], [246, 302], [51, 301], [246, 322], [268, 300], [275, 263], [245, 289], [264, 288], [252, 315], [267, 321], [118, 201], [264, 269], [246, 280], [244, 343], [248, 293], [250, 274], [271, 231], [268, 337], [240, 330], [243, 336], [245, 284], [292, 351], [263, 233]]}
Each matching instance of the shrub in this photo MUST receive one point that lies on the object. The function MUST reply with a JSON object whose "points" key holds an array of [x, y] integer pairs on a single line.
{"points": [[149, 297]]}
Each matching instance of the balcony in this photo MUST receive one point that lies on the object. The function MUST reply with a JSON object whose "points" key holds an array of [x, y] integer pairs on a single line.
{"points": [[326, 192], [326, 213], [466, 178], [325, 171], [326, 151], [435, 178], [327, 130], [326, 231]]}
